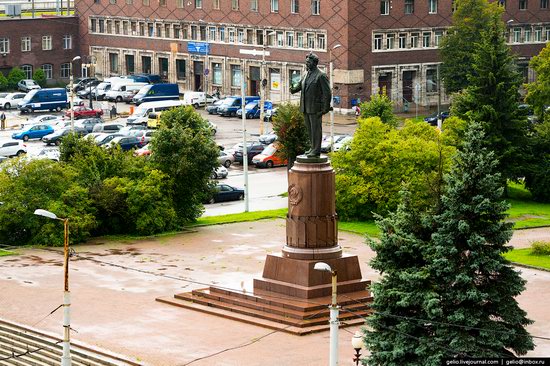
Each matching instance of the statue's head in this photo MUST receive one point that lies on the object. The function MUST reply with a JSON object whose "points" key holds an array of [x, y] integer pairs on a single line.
{"points": [[312, 61]]}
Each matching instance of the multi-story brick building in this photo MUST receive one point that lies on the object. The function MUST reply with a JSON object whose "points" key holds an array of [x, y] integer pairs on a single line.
{"points": [[388, 45], [49, 43]]}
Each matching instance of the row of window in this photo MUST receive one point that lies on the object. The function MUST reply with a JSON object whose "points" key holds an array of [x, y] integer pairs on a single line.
{"points": [[407, 40], [210, 33], [314, 5], [65, 70], [523, 4], [432, 6], [26, 43], [530, 34]]}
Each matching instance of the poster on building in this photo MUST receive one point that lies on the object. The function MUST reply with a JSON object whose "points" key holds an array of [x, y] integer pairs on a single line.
{"points": [[275, 81]]}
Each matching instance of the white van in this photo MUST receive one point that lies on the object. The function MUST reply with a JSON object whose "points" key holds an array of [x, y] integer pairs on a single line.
{"points": [[117, 90], [197, 99], [141, 114]]}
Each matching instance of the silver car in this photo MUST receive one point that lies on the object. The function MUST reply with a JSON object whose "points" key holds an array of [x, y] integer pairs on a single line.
{"points": [[12, 148]]}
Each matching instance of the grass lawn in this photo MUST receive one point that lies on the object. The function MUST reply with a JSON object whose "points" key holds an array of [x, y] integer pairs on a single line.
{"points": [[524, 256], [525, 212], [4, 253], [240, 217]]}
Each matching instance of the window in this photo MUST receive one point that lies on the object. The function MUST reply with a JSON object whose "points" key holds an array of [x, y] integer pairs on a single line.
{"points": [[432, 4], [426, 40], [315, 7], [27, 69], [146, 2], [48, 70], [202, 31], [108, 26], [130, 64], [234, 4], [198, 4], [231, 35], [180, 69], [194, 33], [67, 42], [547, 33], [310, 41], [409, 6], [254, 5], [113, 2], [25, 44], [222, 34], [129, 2], [240, 35], [414, 40], [294, 6], [101, 26], [159, 30], [177, 31], [250, 36], [212, 33], [93, 25], [150, 30], [179, 4], [538, 34], [66, 70], [517, 35], [216, 73], [274, 6], [162, 2], [275, 78], [402, 40], [235, 76], [431, 80], [300, 40], [125, 28], [438, 38], [378, 41], [384, 7], [46, 43], [522, 4], [290, 39], [167, 30], [260, 37], [113, 63], [163, 67], [390, 41], [142, 29], [544, 4], [280, 39], [271, 38], [146, 64], [294, 76], [527, 35]]}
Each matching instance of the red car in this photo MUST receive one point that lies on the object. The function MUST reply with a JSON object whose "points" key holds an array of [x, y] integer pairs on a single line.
{"points": [[84, 112]]}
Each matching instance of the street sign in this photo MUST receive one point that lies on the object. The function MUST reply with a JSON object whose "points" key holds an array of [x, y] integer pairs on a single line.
{"points": [[254, 52], [336, 100], [201, 48], [206, 72]]}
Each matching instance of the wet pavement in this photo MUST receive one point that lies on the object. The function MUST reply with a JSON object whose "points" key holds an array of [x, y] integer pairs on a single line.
{"points": [[114, 286]]}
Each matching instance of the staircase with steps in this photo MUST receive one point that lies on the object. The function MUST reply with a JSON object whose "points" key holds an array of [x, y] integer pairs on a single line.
{"points": [[24, 346]]}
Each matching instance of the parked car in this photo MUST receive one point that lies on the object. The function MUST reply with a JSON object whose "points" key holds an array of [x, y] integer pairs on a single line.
{"points": [[127, 129], [126, 142], [107, 128], [268, 138], [269, 114], [213, 108], [44, 119], [101, 90], [57, 136], [143, 135], [326, 143], [157, 92], [11, 100], [80, 83], [432, 119], [105, 138], [343, 143], [213, 127], [44, 99], [12, 148], [219, 173], [253, 109], [89, 123], [252, 149], [230, 105], [225, 192], [49, 153], [27, 85], [87, 88], [226, 159], [268, 158], [83, 112], [197, 99], [144, 151], [33, 132]]}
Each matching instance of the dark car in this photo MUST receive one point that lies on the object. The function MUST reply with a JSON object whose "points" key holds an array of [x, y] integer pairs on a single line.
{"points": [[105, 138], [127, 142], [57, 136], [86, 89], [225, 192], [79, 83], [432, 119], [268, 138], [213, 108], [89, 123], [252, 149]]}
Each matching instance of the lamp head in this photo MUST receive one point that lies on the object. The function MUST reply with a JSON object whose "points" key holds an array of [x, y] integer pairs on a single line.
{"points": [[76, 58], [357, 341], [48, 214], [336, 46], [322, 266]]}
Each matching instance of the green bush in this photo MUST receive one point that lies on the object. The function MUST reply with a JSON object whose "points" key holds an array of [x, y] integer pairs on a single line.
{"points": [[291, 132], [3, 82], [379, 106], [540, 248], [15, 76], [40, 77]]}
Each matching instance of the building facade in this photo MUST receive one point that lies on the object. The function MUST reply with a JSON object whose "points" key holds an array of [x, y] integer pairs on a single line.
{"points": [[48, 43], [388, 46]]}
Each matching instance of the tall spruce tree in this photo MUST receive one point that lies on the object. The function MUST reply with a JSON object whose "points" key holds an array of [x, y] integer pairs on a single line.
{"points": [[492, 99], [477, 286], [470, 19]]}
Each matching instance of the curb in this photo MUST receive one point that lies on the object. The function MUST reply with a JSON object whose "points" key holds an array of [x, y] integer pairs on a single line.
{"points": [[530, 267]]}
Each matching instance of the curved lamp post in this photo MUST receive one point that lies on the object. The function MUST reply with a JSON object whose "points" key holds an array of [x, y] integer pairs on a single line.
{"points": [[66, 358], [357, 344], [334, 310]]}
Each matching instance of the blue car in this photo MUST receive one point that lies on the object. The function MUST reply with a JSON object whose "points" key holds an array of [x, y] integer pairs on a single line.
{"points": [[33, 132], [253, 109]]}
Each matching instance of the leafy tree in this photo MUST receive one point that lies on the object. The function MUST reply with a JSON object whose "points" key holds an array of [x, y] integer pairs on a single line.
{"points": [[476, 284], [183, 149], [40, 77], [3, 82], [538, 92], [28, 185], [537, 177], [291, 132], [15, 76], [470, 19], [492, 99], [370, 175], [379, 106]]}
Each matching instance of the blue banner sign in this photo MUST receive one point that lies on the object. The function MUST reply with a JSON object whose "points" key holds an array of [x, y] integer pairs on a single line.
{"points": [[201, 48]]}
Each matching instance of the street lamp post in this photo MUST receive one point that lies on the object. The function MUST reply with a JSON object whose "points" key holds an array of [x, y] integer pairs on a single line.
{"points": [[66, 357], [263, 90], [245, 148], [331, 74], [357, 344], [334, 310], [76, 58]]}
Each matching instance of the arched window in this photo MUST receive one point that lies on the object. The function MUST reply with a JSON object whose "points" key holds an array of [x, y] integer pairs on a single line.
{"points": [[48, 70], [27, 69]]}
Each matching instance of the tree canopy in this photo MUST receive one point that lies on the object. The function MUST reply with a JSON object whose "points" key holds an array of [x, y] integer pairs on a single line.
{"points": [[380, 106], [292, 138], [538, 91]]}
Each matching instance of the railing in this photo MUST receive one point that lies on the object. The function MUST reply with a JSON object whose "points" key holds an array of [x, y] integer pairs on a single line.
{"points": [[39, 6]]}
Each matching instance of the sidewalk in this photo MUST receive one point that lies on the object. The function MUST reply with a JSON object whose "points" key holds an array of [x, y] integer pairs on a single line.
{"points": [[114, 286]]}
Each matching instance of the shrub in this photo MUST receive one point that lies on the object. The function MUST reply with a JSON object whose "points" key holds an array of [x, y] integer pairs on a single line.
{"points": [[3, 82], [291, 132], [540, 248], [379, 106], [40, 77], [15, 76]]}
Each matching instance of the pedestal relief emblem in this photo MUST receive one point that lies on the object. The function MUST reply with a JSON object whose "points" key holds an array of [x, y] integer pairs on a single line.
{"points": [[295, 194]]}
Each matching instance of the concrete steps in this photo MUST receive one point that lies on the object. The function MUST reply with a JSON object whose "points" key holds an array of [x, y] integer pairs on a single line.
{"points": [[23, 346]]}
